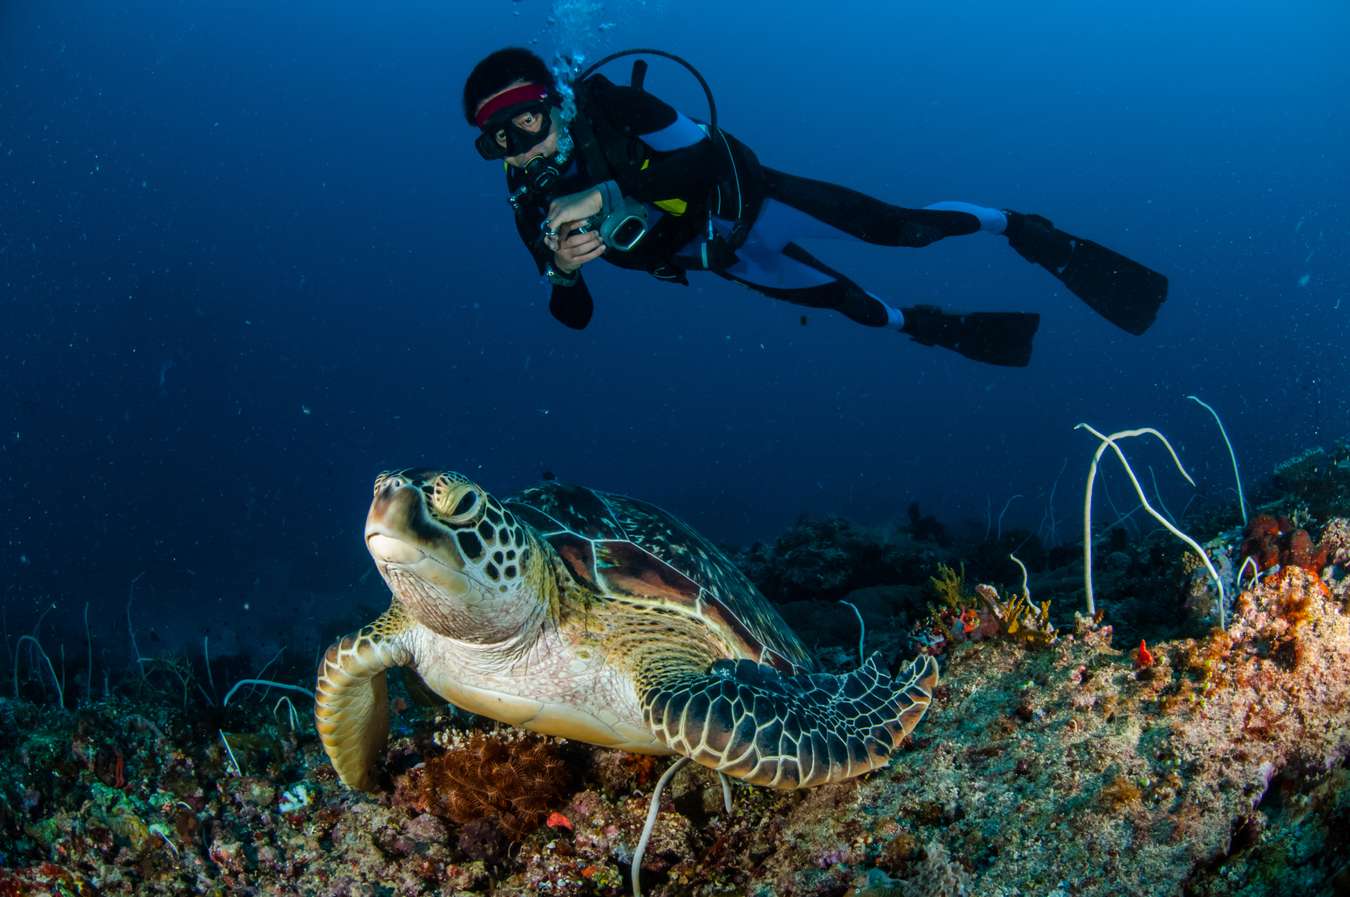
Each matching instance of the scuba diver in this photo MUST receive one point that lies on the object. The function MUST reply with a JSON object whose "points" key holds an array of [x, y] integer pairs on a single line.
{"points": [[595, 169]]}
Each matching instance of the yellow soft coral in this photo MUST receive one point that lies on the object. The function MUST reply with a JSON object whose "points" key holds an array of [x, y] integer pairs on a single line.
{"points": [[1019, 617], [950, 586]]}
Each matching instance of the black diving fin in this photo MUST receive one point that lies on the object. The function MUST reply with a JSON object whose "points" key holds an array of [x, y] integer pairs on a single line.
{"points": [[993, 337], [1119, 289]]}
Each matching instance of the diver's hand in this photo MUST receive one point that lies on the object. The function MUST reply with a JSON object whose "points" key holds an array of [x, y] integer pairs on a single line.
{"points": [[576, 250], [574, 207]]}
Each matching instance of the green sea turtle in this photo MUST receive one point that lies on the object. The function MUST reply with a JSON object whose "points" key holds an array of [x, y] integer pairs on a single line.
{"points": [[601, 618]]}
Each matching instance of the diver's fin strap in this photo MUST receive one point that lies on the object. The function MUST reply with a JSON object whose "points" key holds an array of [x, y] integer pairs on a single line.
{"points": [[351, 705], [750, 721], [1119, 289]]}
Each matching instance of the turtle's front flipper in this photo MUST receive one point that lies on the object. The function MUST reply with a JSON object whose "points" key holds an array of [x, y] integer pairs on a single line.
{"points": [[352, 707], [750, 721]]}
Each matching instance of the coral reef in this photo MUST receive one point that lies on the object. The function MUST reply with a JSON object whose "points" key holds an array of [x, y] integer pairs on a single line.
{"points": [[1315, 483], [1336, 541], [1058, 758], [831, 557]]}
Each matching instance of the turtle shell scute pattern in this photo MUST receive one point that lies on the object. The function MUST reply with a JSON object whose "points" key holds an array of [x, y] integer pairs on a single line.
{"points": [[627, 548]]}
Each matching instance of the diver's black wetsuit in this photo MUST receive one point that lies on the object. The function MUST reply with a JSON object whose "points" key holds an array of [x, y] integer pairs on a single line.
{"points": [[658, 156], [712, 206]]}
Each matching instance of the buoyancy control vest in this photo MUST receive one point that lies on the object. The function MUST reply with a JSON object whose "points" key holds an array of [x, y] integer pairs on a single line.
{"points": [[686, 236]]}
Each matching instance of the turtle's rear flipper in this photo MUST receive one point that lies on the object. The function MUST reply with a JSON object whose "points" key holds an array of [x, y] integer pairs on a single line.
{"points": [[351, 706], [750, 721]]}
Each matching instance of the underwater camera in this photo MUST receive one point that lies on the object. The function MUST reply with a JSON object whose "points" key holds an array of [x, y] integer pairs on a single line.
{"points": [[622, 229], [621, 222], [625, 226]]}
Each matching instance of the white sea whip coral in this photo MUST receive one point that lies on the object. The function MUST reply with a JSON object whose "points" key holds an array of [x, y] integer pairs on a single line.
{"points": [[1232, 456], [1110, 442]]}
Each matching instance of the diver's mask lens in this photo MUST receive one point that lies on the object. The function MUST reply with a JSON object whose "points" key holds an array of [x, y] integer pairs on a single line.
{"points": [[503, 137]]}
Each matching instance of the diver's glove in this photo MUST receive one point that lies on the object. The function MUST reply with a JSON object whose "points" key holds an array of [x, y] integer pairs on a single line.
{"points": [[993, 337], [572, 305]]}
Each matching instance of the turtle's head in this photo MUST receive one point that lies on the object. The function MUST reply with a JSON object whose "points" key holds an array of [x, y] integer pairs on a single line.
{"points": [[459, 562]]}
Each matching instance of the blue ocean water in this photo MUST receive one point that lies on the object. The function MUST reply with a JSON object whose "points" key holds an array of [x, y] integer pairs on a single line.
{"points": [[249, 258]]}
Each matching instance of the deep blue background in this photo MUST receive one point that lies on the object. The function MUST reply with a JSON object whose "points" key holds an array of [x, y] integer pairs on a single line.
{"points": [[249, 258]]}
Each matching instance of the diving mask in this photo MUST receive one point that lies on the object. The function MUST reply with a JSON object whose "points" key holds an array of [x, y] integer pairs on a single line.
{"points": [[497, 119]]}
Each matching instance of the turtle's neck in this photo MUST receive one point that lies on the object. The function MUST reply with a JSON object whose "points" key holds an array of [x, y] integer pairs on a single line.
{"points": [[481, 615], [517, 624], [514, 622]]}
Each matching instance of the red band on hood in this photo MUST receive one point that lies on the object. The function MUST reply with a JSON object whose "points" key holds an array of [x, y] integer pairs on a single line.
{"points": [[525, 93]]}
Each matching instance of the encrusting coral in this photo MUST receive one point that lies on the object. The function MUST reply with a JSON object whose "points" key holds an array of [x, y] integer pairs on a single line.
{"points": [[1070, 771]]}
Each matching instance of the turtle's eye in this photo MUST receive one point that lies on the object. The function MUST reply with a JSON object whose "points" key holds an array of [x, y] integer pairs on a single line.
{"points": [[466, 504], [455, 502]]}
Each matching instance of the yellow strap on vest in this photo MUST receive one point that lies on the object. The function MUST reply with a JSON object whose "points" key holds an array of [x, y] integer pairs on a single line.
{"points": [[674, 206]]}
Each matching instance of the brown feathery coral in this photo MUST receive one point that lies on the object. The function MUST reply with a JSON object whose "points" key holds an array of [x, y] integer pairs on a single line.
{"points": [[510, 778]]}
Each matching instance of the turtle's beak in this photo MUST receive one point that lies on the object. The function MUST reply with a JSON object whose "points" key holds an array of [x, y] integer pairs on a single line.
{"points": [[400, 532], [392, 522]]}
